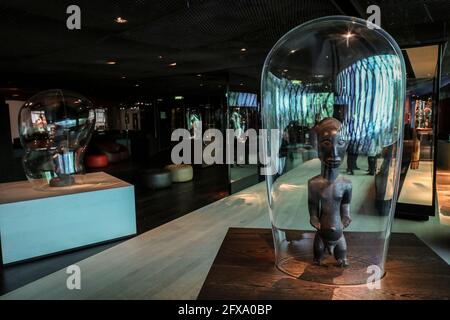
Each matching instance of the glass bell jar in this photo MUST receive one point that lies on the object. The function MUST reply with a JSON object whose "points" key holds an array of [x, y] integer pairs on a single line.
{"points": [[332, 103], [55, 127]]}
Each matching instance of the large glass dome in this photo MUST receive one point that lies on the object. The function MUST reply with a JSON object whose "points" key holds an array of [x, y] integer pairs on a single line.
{"points": [[333, 95], [55, 128]]}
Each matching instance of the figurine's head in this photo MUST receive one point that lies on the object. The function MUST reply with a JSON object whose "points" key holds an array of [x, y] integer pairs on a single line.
{"points": [[331, 144]]}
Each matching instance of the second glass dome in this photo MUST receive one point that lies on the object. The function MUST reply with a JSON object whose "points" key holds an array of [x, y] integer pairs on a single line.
{"points": [[55, 129]]}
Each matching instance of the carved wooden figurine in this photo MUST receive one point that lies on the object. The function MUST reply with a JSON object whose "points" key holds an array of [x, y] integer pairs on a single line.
{"points": [[329, 195]]}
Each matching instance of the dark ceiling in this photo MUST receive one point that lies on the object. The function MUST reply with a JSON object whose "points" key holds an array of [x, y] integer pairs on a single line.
{"points": [[203, 37]]}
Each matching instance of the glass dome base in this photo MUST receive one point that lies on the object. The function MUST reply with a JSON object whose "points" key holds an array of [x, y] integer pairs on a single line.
{"points": [[362, 248], [68, 183], [327, 273]]}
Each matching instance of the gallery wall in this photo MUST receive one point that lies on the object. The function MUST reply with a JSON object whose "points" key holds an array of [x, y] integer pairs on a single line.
{"points": [[14, 108]]}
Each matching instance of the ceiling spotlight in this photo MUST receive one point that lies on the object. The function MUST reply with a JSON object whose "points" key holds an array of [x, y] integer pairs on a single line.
{"points": [[285, 70], [243, 49], [173, 64], [241, 84], [199, 75], [160, 57], [136, 85], [123, 77], [121, 20], [111, 62], [348, 35], [292, 51]]}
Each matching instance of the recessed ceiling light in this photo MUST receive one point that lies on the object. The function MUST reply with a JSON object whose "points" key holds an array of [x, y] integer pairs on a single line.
{"points": [[160, 57], [292, 51], [123, 77], [285, 70], [136, 85], [173, 64], [199, 75], [243, 49], [121, 20], [201, 84], [111, 62], [241, 84]]}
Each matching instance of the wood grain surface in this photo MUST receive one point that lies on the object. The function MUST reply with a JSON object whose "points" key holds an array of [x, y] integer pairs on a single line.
{"points": [[244, 269]]}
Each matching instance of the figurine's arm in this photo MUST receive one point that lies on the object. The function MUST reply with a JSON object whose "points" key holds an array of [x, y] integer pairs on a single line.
{"points": [[313, 207], [345, 207]]}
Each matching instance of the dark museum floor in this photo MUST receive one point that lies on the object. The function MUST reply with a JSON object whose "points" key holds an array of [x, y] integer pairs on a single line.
{"points": [[153, 208]]}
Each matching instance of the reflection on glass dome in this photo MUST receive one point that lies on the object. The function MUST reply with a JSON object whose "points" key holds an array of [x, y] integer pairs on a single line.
{"points": [[55, 129], [333, 88]]}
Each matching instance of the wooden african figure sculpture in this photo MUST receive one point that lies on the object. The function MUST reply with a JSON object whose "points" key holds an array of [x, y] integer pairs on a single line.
{"points": [[329, 195]]}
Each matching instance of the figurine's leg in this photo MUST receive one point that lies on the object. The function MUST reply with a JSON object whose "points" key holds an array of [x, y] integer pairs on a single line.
{"points": [[340, 252], [319, 249]]}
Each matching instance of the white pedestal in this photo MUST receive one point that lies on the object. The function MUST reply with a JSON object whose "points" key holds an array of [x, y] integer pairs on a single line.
{"points": [[36, 223], [418, 185]]}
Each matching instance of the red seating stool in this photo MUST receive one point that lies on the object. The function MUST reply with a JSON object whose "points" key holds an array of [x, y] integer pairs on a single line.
{"points": [[96, 161]]}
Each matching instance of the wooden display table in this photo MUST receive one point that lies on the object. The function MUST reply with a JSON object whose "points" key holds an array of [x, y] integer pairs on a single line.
{"points": [[36, 223], [244, 269]]}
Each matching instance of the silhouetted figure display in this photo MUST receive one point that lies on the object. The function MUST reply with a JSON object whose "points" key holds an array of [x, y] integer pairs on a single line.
{"points": [[352, 158], [372, 154]]}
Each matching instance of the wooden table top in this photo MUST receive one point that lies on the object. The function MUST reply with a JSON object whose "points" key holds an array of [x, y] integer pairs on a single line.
{"points": [[244, 269]]}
